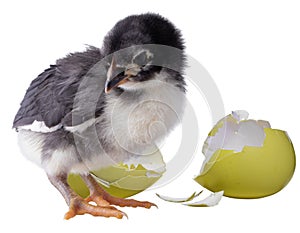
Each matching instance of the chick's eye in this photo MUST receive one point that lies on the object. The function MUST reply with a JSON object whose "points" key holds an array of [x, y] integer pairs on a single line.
{"points": [[141, 59]]}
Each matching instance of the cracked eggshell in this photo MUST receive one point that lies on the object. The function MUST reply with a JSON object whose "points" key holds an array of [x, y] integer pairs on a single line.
{"points": [[246, 158], [125, 179]]}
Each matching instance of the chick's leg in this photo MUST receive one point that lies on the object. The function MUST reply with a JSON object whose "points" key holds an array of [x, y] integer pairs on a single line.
{"points": [[79, 206], [100, 196]]}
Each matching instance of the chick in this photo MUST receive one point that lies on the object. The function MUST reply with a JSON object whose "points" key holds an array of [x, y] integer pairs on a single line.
{"points": [[80, 115]]}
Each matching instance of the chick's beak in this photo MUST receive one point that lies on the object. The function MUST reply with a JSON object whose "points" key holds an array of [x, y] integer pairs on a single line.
{"points": [[114, 80]]}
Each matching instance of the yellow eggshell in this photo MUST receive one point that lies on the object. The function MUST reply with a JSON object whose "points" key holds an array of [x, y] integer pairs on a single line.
{"points": [[123, 180], [255, 171]]}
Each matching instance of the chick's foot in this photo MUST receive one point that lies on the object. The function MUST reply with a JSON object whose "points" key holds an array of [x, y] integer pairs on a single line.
{"points": [[101, 197], [79, 206]]}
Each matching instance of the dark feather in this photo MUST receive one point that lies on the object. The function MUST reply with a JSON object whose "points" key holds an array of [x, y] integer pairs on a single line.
{"points": [[50, 96]]}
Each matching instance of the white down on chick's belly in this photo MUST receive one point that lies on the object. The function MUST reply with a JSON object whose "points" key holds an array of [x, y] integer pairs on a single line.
{"points": [[148, 119]]}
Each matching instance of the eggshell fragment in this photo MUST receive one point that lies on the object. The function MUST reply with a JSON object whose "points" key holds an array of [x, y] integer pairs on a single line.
{"points": [[178, 199], [212, 200]]}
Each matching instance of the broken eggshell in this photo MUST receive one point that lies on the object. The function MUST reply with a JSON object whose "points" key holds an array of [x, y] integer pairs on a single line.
{"points": [[246, 158], [124, 179], [212, 200], [179, 199], [192, 200]]}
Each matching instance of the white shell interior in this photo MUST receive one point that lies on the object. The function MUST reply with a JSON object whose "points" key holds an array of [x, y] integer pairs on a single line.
{"points": [[235, 133]]}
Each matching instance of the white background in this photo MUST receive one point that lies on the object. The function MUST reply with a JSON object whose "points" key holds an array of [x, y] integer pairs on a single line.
{"points": [[250, 48]]}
